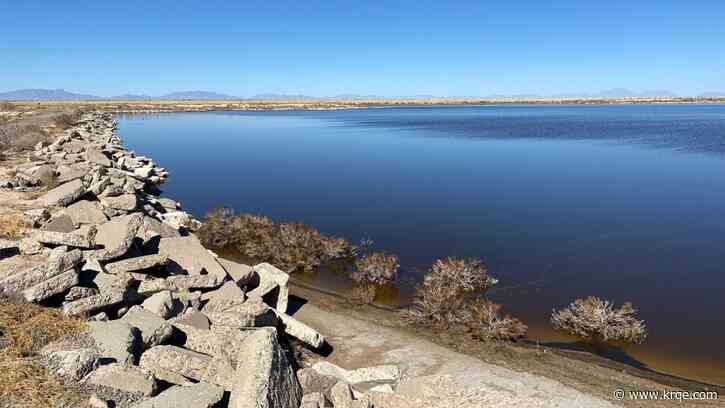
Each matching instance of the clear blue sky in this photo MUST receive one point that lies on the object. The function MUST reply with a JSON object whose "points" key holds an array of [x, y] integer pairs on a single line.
{"points": [[446, 48]]}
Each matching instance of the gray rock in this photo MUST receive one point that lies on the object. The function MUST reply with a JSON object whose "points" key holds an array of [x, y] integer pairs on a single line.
{"points": [[312, 381], [272, 282], [168, 203], [180, 219], [226, 345], [179, 283], [219, 371], [8, 244], [97, 157], [58, 263], [240, 273], [341, 395], [29, 246], [116, 339], [79, 292], [137, 264], [189, 255], [226, 297], [383, 373], [195, 319], [265, 378], [59, 223], [73, 364], [85, 212], [163, 304], [70, 174], [99, 186], [117, 235], [76, 240], [301, 331], [93, 303], [52, 286], [125, 202], [64, 194], [153, 228], [154, 329], [201, 395], [313, 400], [252, 313], [170, 362], [126, 378]]}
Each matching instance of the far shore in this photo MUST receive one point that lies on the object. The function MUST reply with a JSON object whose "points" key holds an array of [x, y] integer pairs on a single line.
{"points": [[154, 106]]}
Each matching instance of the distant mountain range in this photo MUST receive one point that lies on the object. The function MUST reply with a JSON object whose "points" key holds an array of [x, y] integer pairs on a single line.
{"points": [[63, 95]]}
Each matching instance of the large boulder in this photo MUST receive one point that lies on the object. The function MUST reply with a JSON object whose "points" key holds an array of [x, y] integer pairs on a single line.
{"points": [[175, 365], [164, 304], [52, 286], [301, 331], [126, 378], [240, 273], [273, 286], [200, 395], [85, 212], [252, 313], [73, 364], [64, 194], [154, 329], [117, 235], [226, 297], [189, 256], [59, 262], [265, 378], [84, 240], [137, 264], [117, 340], [95, 156]]}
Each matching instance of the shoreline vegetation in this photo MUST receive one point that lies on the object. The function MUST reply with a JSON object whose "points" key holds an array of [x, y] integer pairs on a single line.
{"points": [[157, 106], [444, 306]]}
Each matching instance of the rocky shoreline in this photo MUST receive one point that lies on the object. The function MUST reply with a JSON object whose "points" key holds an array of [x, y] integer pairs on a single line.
{"points": [[169, 323]]}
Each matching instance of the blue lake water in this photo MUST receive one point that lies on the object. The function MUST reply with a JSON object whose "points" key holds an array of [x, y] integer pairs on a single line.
{"points": [[626, 202]]}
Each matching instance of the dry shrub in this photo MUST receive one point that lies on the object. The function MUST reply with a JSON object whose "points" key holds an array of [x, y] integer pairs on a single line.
{"points": [[597, 320], [372, 271], [289, 246], [68, 120], [25, 384], [377, 268], [487, 324], [13, 225], [6, 106], [441, 299], [21, 138], [27, 327], [24, 330]]}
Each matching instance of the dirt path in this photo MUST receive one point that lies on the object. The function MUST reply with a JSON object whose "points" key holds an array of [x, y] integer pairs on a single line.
{"points": [[437, 373]]}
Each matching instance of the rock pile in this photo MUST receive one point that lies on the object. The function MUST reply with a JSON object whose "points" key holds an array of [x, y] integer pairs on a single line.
{"points": [[168, 319]]}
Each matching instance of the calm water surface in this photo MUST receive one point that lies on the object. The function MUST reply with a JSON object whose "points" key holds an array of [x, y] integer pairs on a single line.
{"points": [[622, 202]]}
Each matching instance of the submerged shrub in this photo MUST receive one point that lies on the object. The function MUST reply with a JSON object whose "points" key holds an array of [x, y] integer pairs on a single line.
{"points": [[441, 299], [373, 270], [377, 268], [487, 324], [597, 320], [290, 246]]}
